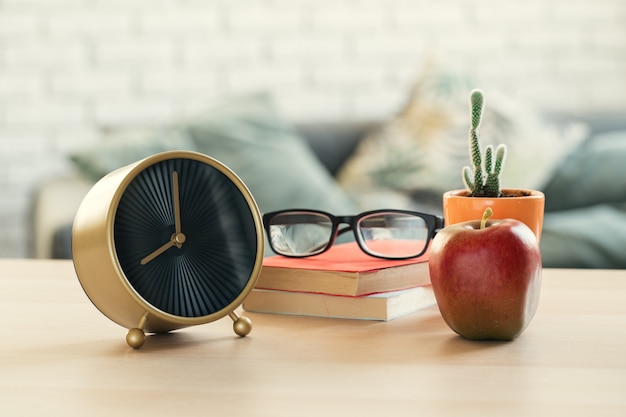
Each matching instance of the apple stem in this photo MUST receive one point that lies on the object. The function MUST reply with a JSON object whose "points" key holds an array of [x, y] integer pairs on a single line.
{"points": [[488, 212]]}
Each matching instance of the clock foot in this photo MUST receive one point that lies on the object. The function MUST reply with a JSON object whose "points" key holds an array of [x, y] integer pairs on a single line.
{"points": [[135, 338], [241, 325]]}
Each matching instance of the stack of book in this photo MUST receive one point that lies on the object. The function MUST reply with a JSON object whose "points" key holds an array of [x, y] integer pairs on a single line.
{"points": [[344, 283]]}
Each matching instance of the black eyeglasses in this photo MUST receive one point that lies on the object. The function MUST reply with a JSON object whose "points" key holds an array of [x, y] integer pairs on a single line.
{"points": [[386, 234]]}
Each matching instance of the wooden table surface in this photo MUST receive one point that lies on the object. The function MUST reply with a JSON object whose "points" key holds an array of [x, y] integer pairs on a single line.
{"points": [[60, 356]]}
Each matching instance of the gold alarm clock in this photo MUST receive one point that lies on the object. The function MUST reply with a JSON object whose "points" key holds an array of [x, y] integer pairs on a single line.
{"points": [[171, 241]]}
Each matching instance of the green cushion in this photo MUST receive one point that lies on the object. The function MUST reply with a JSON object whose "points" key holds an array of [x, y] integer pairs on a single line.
{"points": [[250, 137], [585, 237], [585, 220], [594, 174], [121, 148]]}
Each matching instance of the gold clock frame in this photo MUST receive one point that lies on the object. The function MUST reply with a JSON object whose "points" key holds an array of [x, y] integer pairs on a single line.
{"points": [[101, 275]]}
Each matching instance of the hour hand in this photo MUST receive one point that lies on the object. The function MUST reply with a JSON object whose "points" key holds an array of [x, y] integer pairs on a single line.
{"points": [[158, 252], [177, 240]]}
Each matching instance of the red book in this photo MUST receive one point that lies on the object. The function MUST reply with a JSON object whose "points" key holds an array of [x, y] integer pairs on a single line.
{"points": [[342, 270]]}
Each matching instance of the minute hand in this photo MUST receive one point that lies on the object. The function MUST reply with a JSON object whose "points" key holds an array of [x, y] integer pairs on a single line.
{"points": [[176, 197]]}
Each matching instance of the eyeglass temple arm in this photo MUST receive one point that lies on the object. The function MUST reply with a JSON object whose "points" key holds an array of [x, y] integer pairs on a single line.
{"points": [[439, 224]]}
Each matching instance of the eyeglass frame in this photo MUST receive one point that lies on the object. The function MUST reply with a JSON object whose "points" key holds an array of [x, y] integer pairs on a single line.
{"points": [[434, 223]]}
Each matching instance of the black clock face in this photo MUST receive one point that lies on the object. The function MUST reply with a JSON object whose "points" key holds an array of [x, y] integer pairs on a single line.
{"points": [[185, 237]]}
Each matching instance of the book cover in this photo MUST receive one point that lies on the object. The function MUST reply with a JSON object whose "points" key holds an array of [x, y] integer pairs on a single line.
{"points": [[383, 306], [343, 270]]}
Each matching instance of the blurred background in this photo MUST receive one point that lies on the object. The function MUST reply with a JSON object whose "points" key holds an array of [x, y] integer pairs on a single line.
{"points": [[70, 67]]}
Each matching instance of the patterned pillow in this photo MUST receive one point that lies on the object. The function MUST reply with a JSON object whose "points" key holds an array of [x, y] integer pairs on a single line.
{"points": [[424, 148]]}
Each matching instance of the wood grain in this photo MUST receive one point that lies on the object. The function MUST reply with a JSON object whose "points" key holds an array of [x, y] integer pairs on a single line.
{"points": [[60, 356]]}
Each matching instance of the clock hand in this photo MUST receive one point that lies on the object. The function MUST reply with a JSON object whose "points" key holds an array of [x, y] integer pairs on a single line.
{"points": [[158, 252], [177, 240], [176, 202]]}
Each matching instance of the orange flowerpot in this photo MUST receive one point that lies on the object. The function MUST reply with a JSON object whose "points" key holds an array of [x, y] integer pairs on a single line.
{"points": [[523, 205]]}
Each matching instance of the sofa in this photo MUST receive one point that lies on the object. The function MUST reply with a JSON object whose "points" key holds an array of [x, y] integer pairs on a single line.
{"points": [[287, 166]]}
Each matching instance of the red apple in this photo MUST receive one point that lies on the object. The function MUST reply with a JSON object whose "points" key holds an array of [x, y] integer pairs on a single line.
{"points": [[486, 277]]}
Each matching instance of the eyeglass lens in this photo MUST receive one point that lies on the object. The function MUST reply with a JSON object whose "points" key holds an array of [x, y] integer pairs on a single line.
{"points": [[300, 234], [393, 235], [383, 234]]}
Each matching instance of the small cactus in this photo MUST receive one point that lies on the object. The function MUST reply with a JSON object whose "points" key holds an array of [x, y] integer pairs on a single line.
{"points": [[485, 182]]}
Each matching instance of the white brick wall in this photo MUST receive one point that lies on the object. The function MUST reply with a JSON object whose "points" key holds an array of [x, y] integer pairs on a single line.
{"points": [[70, 66]]}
